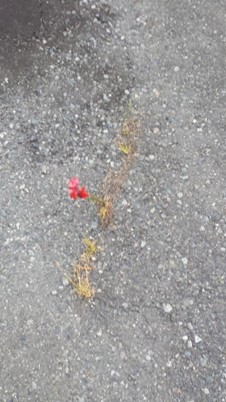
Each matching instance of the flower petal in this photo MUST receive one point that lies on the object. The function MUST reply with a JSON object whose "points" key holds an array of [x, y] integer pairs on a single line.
{"points": [[73, 183], [73, 193], [82, 193]]}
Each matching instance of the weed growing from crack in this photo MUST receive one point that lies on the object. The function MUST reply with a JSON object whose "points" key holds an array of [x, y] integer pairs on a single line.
{"points": [[105, 212], [127, 141], [80, 280], [125, 148], [91, 249], [81, 270], [104, 205], [130, 126]]}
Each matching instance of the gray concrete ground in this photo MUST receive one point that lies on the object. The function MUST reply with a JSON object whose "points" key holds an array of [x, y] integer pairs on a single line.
{"points": [[156, 330]]}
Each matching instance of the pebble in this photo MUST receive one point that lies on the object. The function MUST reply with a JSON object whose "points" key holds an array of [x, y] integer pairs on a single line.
{"points": [[151, 157], [156, 92], [54, 292], [176, 69], [167, 308], [94, 224], [2, 135], [99, 333], [156, 130], [197, 339], [203, 361], [34, 385], [106, 98], [190, 344], [206, 391], [187, 355], [65, 282], [124, 202], [185, 260], [143, 244], [44, 169]]}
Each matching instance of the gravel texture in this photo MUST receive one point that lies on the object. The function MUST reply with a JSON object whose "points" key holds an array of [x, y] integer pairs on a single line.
{"points": [[156, 329]]}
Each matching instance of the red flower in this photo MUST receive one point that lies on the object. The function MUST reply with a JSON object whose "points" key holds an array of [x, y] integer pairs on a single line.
{"points": [[82, 193], [73, 187], [73, 190]]}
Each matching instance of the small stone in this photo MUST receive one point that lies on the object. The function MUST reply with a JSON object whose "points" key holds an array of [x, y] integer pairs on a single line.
{"points": [[203, 361], [44, 169], [197, 339], [151, 157], [65, 282], [148, 357], [99, 333], [152, 210], [185, 338], [156, 92], [190, 344], [180, 195], [206, 391], [106, 98], [94, 224], [143, 244], [167, 308], [185, 260], [2, 135], [176, 69], [34, 385], [124, 202], [54, 292], [187, 355], [156, 130]]}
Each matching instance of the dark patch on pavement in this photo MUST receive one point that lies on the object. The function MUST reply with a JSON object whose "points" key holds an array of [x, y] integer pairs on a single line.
{"points": [[20, 18], [34, 30]]}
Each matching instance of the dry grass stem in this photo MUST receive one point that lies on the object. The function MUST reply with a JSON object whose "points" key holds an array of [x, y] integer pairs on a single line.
{"points": [[80, 281]]}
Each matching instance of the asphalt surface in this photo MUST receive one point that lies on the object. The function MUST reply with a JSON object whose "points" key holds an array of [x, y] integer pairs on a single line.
{"points": [[156, 329]]}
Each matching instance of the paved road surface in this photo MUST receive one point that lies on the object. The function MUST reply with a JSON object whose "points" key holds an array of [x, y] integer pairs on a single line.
{"points": [[156, 330]]}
